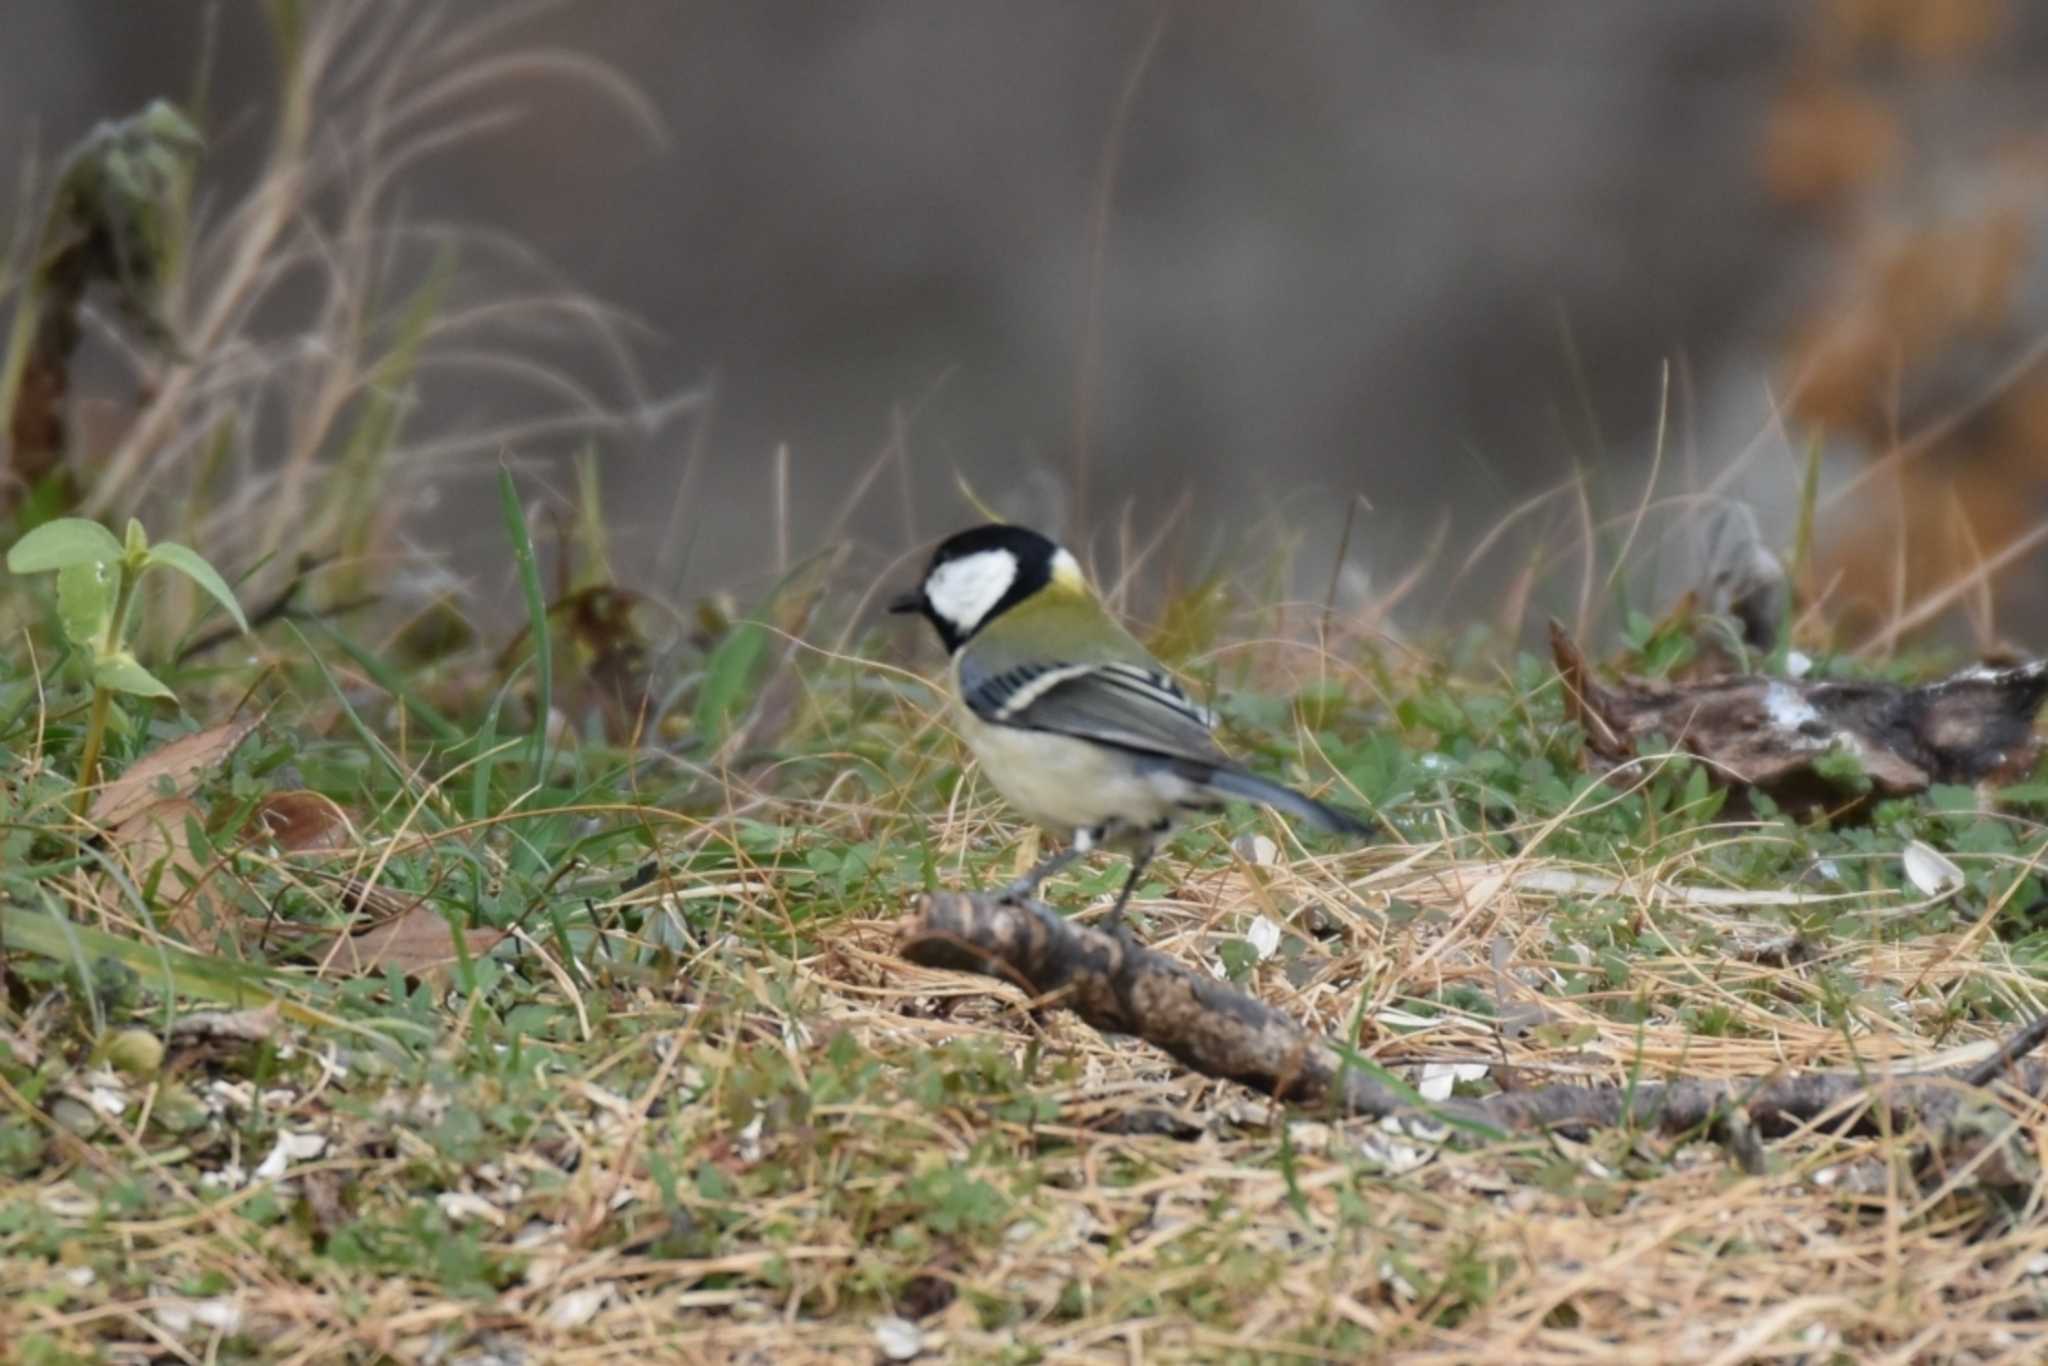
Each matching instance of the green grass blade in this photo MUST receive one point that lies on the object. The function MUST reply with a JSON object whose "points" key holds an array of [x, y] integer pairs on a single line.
{"points": [[728, 679], [384, 676], [486, 757], [370, 742], [537, 617]]}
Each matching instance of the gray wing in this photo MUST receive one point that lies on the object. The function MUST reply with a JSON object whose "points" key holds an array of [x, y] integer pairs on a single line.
{"points": [[1126, 705]]}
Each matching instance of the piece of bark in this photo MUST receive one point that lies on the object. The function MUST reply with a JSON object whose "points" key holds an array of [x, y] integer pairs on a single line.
{"points": [[1976, 726], [1123, 987]]}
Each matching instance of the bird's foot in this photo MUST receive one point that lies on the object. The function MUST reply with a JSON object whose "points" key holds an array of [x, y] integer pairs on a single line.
{"points": [[1018, 892], [1115, 926]]}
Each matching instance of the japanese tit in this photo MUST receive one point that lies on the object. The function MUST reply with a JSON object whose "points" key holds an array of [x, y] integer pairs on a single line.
{"points": [[1074, 723]]}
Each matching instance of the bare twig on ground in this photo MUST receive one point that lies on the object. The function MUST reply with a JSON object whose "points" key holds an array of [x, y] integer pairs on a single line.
{"points": [[1209, 1026]]}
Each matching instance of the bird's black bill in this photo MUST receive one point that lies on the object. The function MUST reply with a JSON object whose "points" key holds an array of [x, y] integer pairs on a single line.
{"points": [[913, 601]]}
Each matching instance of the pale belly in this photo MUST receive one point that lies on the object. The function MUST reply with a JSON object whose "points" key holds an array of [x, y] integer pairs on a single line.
{"points": [[1066, 785]]}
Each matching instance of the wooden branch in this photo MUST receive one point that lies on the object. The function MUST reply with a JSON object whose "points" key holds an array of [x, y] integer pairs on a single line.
{"points": [[1121, 987], [1210, 1027]]}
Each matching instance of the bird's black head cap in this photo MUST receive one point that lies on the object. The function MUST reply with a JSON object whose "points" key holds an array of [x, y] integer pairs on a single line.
{"points": [[977, 575]]}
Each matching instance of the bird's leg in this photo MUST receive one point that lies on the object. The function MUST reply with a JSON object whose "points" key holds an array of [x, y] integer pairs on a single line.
{"points": [[1021, 890], [1140, 857]]}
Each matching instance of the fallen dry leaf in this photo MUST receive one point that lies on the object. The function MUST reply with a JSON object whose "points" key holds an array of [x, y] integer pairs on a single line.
{"points": [[299, 822], [1755, 731], [156, 837], [611, 655], [181, 763], [418, 943]]}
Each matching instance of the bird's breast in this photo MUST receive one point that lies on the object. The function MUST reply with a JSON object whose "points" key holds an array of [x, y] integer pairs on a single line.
{"points": [[1067, 784]]}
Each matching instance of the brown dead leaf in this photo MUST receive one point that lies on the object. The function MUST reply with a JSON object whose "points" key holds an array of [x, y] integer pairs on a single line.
{"points": [[156, 838], [611, 655], [181, 763], [600, 638], [418, 943], [1768, 732], [300, 822]]}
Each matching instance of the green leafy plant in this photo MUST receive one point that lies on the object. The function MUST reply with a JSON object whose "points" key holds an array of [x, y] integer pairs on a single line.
{"points": [[97, 581]]}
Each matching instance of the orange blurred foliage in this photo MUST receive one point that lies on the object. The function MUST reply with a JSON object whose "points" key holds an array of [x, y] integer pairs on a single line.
{"points": [[1908, 353], [1924, 31], [1825, 139]]}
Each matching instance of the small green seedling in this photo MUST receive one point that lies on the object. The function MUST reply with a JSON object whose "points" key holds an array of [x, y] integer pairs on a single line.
{"points": [[96, 581]]}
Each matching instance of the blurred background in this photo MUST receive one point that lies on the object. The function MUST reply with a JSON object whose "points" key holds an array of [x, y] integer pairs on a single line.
{"points": [[1201, 271]]}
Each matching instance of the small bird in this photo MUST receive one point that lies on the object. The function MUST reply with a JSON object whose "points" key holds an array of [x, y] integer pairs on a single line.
{"points": [[1074, 723]]}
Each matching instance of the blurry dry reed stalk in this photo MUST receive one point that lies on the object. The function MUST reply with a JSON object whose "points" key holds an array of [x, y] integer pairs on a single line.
{"points": [[316, 314]]}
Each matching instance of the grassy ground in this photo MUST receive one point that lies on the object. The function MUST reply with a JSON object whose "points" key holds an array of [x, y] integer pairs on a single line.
{"points": [[364, 1015], [715, 1117]]}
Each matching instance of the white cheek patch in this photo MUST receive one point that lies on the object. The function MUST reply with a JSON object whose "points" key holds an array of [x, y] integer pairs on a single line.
{"points": [[965, 590]]}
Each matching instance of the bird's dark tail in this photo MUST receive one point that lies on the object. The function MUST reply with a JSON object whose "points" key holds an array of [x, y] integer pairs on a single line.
{"points": [[1235, 782]]}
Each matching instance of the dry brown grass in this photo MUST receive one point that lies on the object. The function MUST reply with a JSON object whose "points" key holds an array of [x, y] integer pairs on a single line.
{"points": [[1119, 1246]]}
